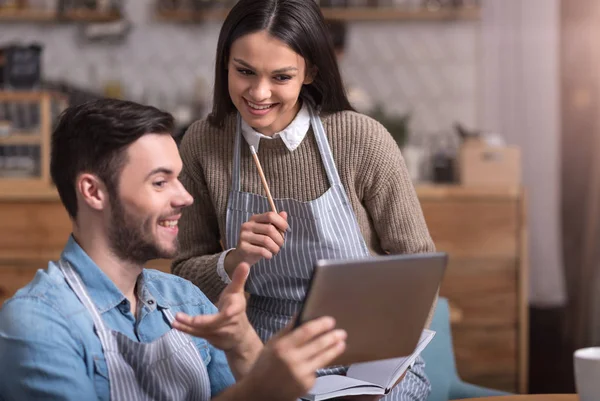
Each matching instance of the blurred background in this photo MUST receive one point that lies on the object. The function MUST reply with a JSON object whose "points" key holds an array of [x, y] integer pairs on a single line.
{"points": [[493, 103]]}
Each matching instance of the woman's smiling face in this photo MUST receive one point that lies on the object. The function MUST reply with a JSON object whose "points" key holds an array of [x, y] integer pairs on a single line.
{"points": [[265, 77]]}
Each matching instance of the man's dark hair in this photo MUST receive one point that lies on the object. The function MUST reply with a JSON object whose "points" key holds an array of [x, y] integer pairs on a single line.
{"points": [[92, 138]]}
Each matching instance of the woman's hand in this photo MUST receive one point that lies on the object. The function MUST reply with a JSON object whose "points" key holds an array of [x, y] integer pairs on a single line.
{"points": [[260, 238]]}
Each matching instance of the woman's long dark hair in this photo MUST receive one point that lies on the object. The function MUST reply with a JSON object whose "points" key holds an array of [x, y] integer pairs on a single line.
{"points": [[300, 25]]}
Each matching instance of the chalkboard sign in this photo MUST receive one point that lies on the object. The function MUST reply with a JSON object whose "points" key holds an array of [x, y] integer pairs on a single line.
{"points": [[22, 67]]}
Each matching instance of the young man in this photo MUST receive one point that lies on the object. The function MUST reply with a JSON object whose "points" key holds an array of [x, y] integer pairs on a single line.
{"points": [[97, 325]]}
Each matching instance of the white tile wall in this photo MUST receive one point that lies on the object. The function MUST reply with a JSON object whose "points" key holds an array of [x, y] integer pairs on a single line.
{"points": [[521, 98], [429, 68]]}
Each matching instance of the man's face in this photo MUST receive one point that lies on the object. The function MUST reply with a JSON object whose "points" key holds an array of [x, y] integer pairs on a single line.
{"points": [[142, 224]]}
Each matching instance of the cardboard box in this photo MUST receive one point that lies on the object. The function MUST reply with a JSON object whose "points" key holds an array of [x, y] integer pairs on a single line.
{"points": [[482, 165]]}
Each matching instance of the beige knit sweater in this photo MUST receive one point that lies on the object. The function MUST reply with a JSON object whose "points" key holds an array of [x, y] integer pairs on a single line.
{"points": [[369, 163]]}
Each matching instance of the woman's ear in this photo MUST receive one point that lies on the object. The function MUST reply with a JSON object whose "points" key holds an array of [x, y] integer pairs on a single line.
{"points": [[311, 74]]}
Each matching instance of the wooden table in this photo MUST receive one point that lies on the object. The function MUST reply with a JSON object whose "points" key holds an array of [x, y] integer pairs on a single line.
{"points": [[530, 397], [482, 229]]}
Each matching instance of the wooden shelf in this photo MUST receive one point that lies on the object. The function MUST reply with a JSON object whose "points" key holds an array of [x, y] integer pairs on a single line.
{"points": [[29, 96], [32, 15], [191, 16], [457, 191], [21, 139], [347, 14], [18, 190], [395, 14], [47, 100]]}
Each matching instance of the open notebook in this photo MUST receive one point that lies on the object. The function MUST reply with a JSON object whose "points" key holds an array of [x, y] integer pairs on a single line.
{"points": [[367, 378]]}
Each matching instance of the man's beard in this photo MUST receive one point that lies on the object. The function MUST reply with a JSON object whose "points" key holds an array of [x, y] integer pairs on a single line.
{"points": [[131, 238]]}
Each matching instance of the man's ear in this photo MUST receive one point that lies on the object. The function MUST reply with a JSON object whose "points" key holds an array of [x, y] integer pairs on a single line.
{"points": [[92, 191], [311, 74]]}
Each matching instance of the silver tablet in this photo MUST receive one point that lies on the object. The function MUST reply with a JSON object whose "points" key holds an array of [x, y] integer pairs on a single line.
{"points": [[382, 302]]}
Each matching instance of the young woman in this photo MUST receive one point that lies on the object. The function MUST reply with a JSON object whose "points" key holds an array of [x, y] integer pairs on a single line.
{"points": [[337, 177]]}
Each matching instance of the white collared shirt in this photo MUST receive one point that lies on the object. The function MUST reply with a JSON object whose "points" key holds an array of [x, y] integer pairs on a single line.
{"points": [[292, 136]]}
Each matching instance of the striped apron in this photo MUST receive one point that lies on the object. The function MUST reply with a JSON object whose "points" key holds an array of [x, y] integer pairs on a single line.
{"points": [[324, 228], [169, 368]]}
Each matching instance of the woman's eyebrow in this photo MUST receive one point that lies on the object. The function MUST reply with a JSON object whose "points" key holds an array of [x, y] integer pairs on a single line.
{"points": [[277, 71]]}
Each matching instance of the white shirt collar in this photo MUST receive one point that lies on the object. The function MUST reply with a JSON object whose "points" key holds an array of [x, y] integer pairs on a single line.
{"points": [[292, 135]]}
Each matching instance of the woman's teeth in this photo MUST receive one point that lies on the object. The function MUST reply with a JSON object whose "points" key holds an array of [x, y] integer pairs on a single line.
{"points": [[259, 107]]}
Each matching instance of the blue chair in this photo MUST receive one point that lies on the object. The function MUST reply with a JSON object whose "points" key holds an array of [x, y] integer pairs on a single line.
{"points": [[440, 365]]}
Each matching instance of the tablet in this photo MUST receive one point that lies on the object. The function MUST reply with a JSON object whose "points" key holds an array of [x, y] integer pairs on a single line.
{"points": [[382, 302]]}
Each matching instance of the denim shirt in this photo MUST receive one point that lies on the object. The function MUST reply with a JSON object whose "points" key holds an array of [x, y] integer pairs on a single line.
{"points": [[49, 349]]}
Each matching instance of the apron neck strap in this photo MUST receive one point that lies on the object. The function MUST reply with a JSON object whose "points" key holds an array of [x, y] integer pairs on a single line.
{"points": [[322, 144], [324, 149], [78, 287], [235, 179]]}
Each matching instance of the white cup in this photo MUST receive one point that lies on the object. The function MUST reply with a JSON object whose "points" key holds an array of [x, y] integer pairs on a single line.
{"points": [[587, 373]]}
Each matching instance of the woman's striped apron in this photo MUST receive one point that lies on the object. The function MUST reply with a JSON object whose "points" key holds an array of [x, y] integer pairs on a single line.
{"points": [[324, 228]]}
